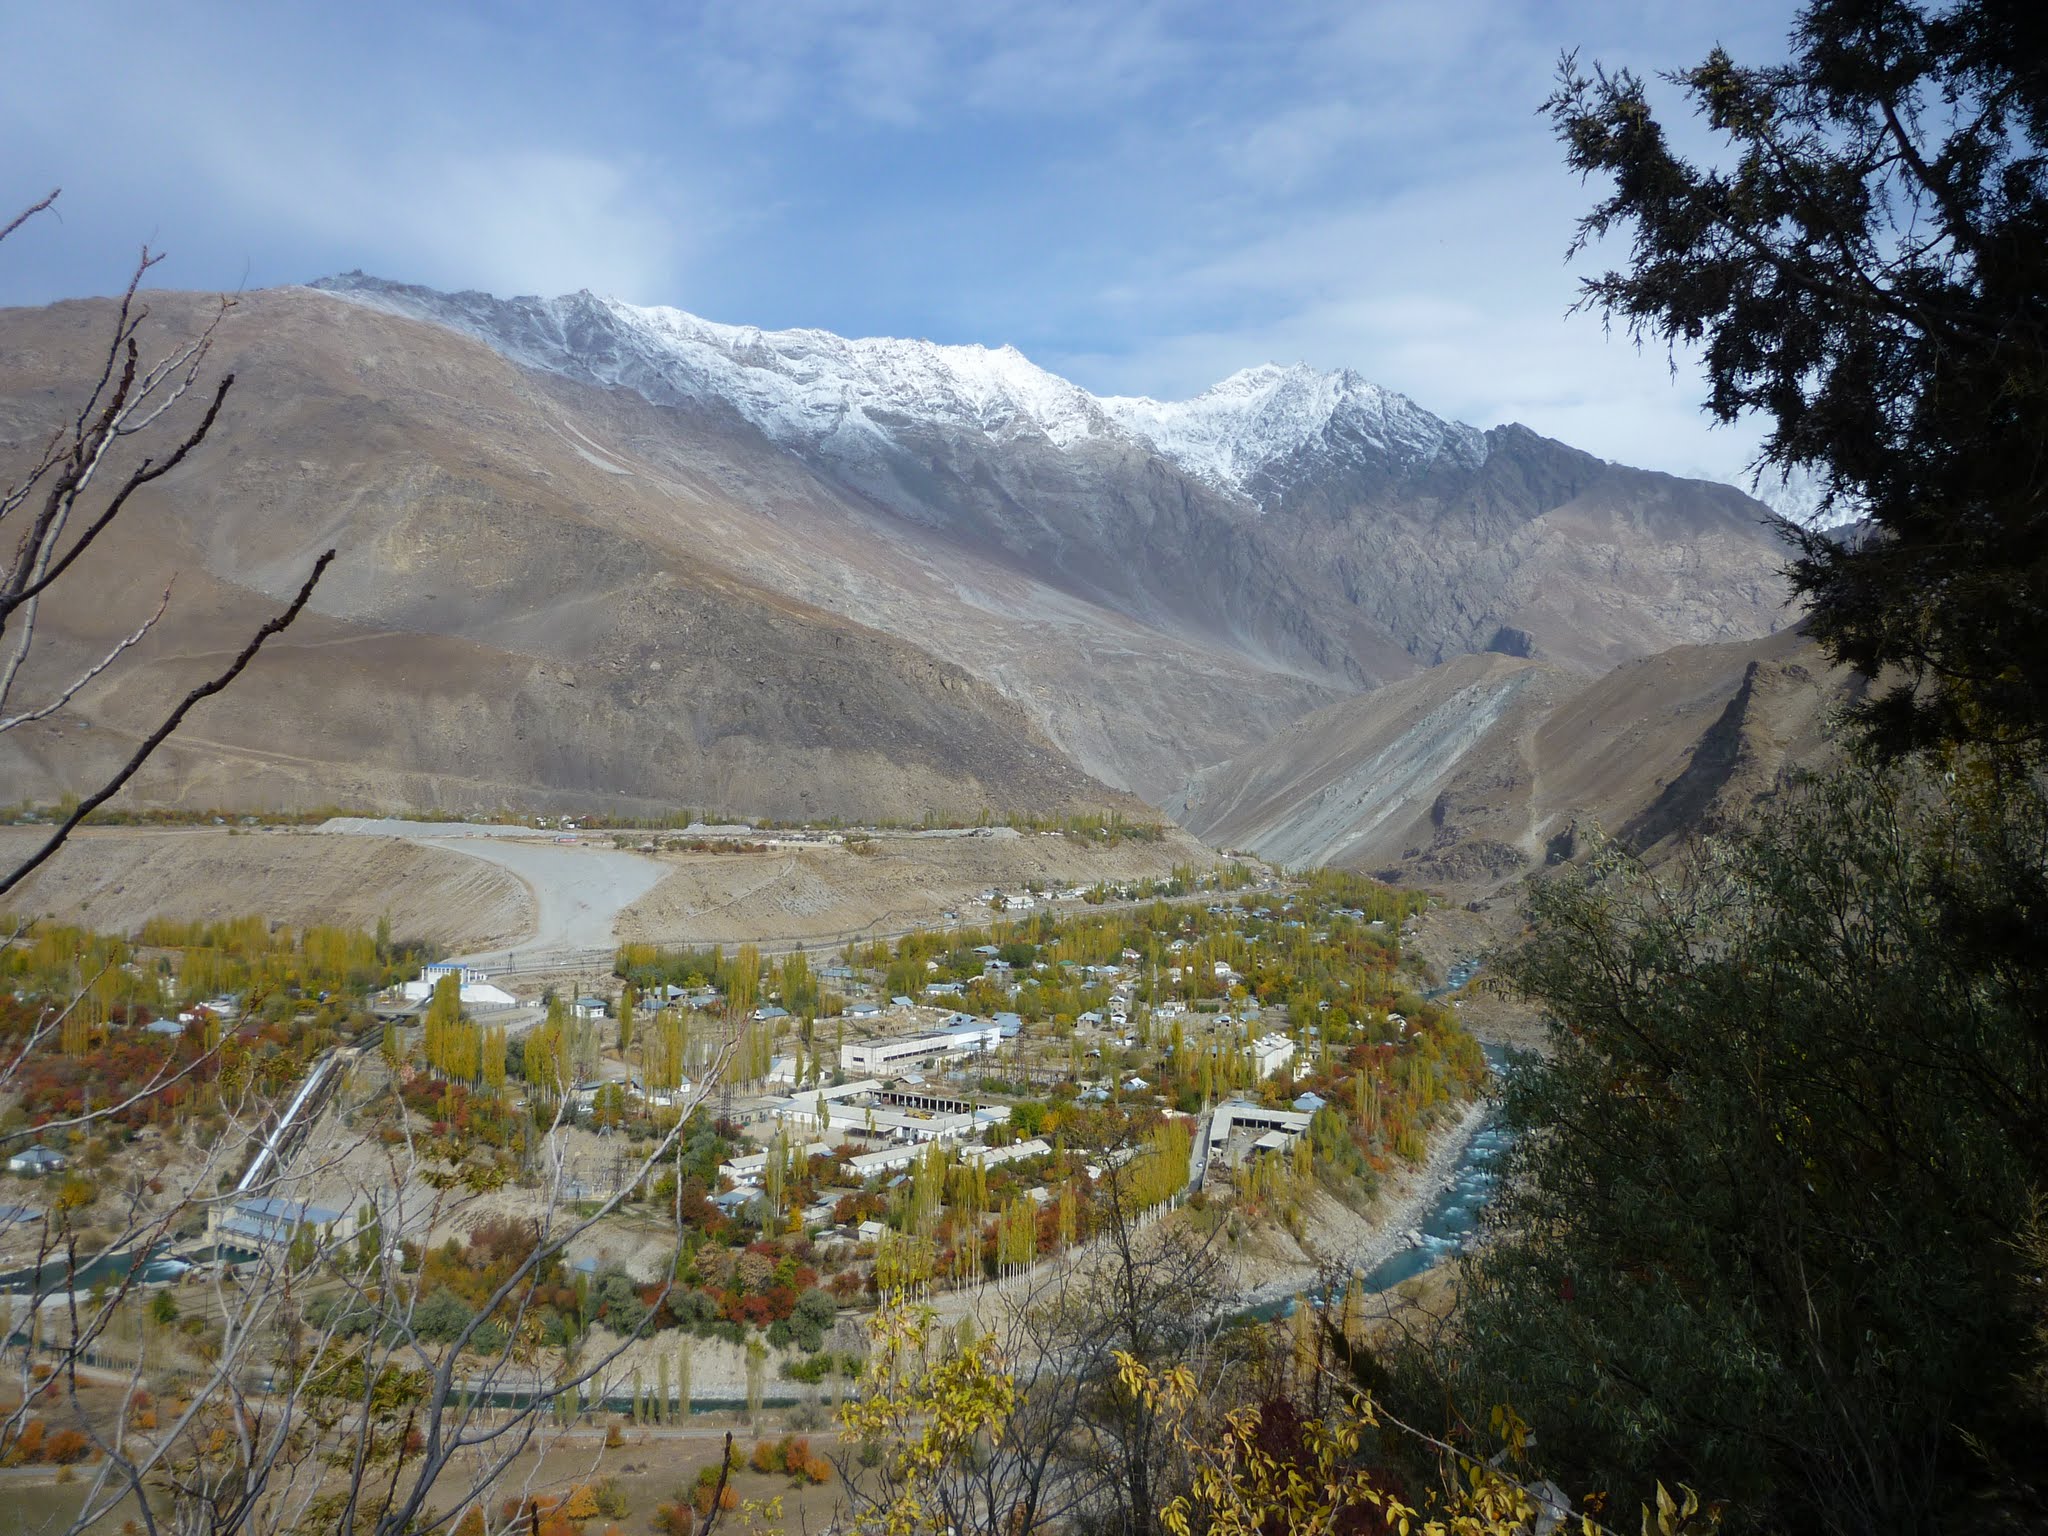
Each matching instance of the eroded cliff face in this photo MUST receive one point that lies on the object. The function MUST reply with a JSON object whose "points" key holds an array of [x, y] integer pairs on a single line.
{"points": [[1485, 768]]}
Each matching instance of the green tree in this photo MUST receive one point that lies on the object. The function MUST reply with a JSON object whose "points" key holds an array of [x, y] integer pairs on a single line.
{"points": [[1868, 272], [1757, 1232]]}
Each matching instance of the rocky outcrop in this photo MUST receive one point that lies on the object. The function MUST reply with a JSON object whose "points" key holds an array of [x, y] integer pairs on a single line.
{"points": [[1658, 750]]}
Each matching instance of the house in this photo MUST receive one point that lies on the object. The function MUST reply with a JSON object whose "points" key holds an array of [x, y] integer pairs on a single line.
{"points": [[735, 1201], [902, 1002], [863, 1010], [35, 1162], [19, 1216], [1271, 1052], [1008, 1026], [1135, 1084], [589, 1007], [1309, 1103], [770, 1013], [870, 1231], [274, 1223]]}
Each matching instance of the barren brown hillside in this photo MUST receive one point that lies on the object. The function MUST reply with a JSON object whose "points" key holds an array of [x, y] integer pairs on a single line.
{"points": [[529, 609], [114, 879], [1485, 767], [905, 881], [452, 893]]}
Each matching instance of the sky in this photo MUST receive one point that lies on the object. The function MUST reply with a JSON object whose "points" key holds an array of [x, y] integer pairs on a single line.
{"points": [[1142, 197]]}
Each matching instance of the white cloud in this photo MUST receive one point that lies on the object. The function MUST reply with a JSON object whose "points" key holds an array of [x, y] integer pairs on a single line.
{"points": [[510, 221], [1167, 192]]}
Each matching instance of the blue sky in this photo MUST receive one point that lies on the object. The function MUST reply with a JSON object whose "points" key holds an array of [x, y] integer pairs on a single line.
{"points": [[1142, 197]]}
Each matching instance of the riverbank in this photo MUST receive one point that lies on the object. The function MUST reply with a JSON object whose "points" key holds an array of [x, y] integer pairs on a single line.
{"points": [[1275, 1266]]}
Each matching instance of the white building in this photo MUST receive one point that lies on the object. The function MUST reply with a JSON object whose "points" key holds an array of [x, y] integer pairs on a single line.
{"points": [[476, 988], [272, 1223], [1272, 1052], [869, 1057]]}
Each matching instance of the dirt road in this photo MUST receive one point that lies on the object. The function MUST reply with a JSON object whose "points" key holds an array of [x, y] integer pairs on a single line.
{"points": [[578, 890]]}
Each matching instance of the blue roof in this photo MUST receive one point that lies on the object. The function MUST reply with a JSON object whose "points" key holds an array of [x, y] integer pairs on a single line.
{"points": [[276, 1221], [293, 1210]]}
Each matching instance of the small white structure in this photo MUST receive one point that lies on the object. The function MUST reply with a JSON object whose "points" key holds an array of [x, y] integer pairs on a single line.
{"points": [[475, 986], [1271, 1053], [35, 1162]]}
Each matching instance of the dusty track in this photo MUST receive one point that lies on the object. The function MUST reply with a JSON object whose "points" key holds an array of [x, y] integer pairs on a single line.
{"points": [[577, 891], [491, 896]]}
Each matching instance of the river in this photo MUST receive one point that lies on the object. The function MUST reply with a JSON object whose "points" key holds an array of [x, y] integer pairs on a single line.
{"points": [[1453, 1216]]}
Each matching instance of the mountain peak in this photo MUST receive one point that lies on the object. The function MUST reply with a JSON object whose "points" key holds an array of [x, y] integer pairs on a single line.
{"points": [[1249, 435], [1243, 433]]}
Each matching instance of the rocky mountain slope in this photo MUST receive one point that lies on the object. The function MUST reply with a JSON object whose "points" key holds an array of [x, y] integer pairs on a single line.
{"points": [[511, 621], [1488, 766], [600, 555], [1315, 523]]}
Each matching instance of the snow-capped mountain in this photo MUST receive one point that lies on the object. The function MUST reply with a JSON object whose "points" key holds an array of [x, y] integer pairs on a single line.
{"points": [[1313, 522], [1240, 433], [1249, 436], [663, 562]]}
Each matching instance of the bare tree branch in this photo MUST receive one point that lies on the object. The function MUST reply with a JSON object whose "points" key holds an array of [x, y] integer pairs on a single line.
{"points": [[9, 722], [157, 737], [30, 212]]}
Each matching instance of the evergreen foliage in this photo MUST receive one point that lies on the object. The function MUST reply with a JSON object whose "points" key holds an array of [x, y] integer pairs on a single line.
{"points": [[1869, 273], [1758, 1230]]}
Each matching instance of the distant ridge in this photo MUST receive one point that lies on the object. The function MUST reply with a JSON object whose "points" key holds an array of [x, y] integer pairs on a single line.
{"points": [[598, 556], [812, 386]]}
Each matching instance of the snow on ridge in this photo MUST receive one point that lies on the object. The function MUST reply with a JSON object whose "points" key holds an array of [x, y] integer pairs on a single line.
{"points": [[805, 381], [1259, 417], [853, 396]]}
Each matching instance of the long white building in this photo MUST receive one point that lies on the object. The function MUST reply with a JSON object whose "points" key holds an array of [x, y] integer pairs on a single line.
{"points": [[875, 1057]]}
